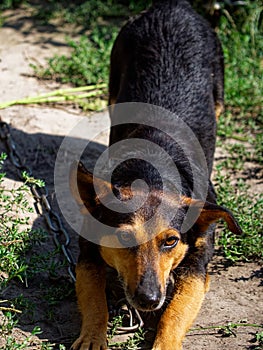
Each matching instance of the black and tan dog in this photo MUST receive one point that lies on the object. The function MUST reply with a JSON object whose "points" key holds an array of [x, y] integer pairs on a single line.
{"points": [[168, 57]]}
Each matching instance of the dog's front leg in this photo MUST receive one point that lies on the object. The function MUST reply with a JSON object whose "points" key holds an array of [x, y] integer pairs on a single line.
{"points": [[180, 313], [90, 288]]}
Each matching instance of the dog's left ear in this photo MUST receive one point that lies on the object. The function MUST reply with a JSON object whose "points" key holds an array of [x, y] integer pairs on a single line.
{"points": [[210, 212], [82, 185]]}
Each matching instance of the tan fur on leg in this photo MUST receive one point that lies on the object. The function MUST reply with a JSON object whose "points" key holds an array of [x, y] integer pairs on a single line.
{"points": [[90, 288], [180, 314]]}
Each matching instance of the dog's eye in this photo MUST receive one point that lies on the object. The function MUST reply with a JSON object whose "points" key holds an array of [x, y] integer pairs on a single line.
{"points": [[171, 242], [126, 239]]}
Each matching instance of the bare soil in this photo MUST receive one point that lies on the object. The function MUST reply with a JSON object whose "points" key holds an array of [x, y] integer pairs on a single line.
{"points": [[236, 291]]}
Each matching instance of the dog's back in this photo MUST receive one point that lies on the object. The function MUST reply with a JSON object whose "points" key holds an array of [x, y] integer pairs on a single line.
{"points": [[170, 57]]}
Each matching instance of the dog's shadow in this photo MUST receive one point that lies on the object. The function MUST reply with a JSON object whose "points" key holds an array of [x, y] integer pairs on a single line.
{"points": [[47, 296]]}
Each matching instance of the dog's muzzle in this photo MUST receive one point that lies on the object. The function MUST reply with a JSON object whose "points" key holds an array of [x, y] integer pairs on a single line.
{"points": [[148, 295]]}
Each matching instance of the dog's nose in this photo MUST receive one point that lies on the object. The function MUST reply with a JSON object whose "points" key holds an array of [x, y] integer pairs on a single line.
{"points": [[148, 293], [148, 301]]}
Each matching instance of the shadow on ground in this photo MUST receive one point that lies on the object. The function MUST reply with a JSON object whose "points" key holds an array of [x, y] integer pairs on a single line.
{"points": [[47, 298]]}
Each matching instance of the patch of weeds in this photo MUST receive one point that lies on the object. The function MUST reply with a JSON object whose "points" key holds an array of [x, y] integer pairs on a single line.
{"points": [[248, 209], [87, 13], [137, 6], [16, 239], [237, 155], [89, 60], [47, 346], [46, 262], [56, 293], [240, 34], [259, 340], [132, 343], [231, 330], [229, 127], [15, 236], [228, 330], [10, 341], [10, 4], [26, 306], [116, 322], [244, 131], [8, 324], [243, 49], [88, 63], [80, 13]]}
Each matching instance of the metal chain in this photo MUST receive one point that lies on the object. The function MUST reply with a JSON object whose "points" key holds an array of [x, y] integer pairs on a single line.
{"points": [[135, 319], [60, 235]]}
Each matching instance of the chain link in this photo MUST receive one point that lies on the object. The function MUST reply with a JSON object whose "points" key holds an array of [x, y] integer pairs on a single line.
{"points": [[60, 235]]}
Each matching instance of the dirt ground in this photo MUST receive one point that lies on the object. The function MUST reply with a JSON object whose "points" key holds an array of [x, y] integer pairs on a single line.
{"points": [[236, 292]]}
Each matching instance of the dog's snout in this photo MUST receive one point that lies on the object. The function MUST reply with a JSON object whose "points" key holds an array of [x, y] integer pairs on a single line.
{"points": [[148, 301], [148, 294]]}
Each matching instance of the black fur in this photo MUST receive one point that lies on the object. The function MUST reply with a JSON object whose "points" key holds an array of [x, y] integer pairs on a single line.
{"points": [[169, 56]]}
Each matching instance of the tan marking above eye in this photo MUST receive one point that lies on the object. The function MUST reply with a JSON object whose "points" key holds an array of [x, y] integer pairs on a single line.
{"points": [[169, 233]]}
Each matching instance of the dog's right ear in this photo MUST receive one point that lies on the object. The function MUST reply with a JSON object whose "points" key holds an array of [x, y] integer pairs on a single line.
{"points": [[82, 185]]}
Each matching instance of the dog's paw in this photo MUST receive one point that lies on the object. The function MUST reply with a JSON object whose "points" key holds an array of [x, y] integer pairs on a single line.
{"points": [[90, 343]]}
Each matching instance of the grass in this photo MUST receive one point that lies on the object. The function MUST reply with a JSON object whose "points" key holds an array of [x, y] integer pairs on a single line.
{"points": [[88, 63], [88, 14], [7, 327], [132, 342], [240, 130], [248, 209], [7, 4], [241, 35], [16, 239]]}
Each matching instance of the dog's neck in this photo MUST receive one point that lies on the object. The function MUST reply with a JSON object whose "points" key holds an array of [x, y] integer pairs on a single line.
{"points": [[159, 160]]}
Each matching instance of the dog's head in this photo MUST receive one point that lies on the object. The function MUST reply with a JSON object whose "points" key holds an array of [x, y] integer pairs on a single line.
{"points": [[144, 255]]}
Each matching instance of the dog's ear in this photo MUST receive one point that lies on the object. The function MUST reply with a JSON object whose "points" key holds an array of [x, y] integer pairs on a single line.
{"points": [[82, 185], [210, 212], [213, 212]]}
